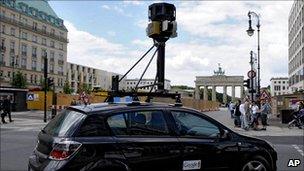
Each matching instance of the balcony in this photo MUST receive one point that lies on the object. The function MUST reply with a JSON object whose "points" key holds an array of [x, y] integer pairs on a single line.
{"points": [[23, 66], [60, 73], [30, 28], [34, 68]]}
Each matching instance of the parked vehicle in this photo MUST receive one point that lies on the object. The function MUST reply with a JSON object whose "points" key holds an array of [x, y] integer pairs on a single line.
{"points": [[142, 137]]}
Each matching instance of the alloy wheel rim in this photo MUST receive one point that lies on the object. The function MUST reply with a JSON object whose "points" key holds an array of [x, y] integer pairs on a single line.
{"points": [[254, 166]]}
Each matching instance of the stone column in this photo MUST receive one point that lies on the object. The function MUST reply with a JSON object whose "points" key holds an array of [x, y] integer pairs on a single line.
{"points": [[197, 92], [225, 94], [205, 92], [214, 93], [242, 92], [233, 92]]}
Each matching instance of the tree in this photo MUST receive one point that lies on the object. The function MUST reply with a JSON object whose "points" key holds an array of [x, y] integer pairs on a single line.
{"points": [[67, 88], [19, 80], [83, 87]]}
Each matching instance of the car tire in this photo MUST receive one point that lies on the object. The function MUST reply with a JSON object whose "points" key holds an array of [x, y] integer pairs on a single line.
{"points": [[256, 163]]}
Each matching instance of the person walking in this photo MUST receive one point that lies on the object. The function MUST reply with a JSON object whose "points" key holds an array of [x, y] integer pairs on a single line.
{"points": [[2, 113], [7, 107], [231, 109], [237, 114], [264, 112], [254, 115], [244, 121]]}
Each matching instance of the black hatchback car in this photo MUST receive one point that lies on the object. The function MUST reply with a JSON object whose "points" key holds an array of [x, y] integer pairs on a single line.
{"points": [[145, 136]]}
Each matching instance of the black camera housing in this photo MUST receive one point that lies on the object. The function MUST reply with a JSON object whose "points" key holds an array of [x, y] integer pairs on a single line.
{"points": [[162, 12]]}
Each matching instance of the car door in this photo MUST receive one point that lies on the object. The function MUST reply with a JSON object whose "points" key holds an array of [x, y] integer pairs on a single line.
{"points": [[145, 139], [202, 147]]}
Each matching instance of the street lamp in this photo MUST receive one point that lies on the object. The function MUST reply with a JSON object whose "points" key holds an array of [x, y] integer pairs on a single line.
{"points": [[250, 32]]}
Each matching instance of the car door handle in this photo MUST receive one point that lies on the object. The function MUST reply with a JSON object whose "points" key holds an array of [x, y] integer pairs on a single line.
{"points": [[174, 151], [135, 149]]}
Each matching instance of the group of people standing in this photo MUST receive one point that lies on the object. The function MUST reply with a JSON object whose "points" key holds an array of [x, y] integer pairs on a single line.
{"points": [[5, 109], [247, 114]]}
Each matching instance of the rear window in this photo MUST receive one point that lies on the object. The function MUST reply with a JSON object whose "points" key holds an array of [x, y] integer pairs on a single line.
{"points": [[64, 124]]}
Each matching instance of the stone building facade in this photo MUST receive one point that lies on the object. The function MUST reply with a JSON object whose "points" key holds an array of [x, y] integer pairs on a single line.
{"points": [[29, 29]]}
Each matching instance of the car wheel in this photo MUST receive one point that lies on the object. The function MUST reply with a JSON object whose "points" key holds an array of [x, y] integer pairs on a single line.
{"points": [[257, 163]]}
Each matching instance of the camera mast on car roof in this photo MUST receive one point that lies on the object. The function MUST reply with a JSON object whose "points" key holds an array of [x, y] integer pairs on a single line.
{"points": [[162, 26]]}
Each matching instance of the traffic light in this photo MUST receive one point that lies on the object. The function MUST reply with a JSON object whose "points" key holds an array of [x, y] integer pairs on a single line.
{"points": [[247, 83], [50, 82]]}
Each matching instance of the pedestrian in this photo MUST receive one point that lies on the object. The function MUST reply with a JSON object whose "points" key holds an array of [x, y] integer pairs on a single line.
{"points": [[231, 109], [254, 115], [7, 107], [244, 120], [237, 114], [2, 113], [264, 115], [268, 108]]}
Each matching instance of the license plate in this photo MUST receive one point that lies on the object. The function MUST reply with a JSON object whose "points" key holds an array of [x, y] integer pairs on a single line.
{"points": [[192, 165]]}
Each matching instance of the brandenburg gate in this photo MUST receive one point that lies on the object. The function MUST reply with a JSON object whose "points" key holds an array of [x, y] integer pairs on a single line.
{"points": [[218, 79]]}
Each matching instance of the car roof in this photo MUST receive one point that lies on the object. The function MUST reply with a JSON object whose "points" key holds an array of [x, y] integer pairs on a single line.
{"points": [[105, 107]]}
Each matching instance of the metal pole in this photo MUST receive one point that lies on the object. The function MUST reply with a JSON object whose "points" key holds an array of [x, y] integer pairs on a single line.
{"points": [[45, 85], [259, 76], [161, 66], [251, 79]]}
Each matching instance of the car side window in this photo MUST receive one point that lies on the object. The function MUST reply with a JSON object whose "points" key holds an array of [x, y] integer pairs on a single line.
{"points": [[191, 125], [93, 126], [139, 123]]}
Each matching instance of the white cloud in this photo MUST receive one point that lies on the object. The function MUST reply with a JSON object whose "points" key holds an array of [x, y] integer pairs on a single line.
{"points": [[133, 2], [105, 7], [217, 34]]}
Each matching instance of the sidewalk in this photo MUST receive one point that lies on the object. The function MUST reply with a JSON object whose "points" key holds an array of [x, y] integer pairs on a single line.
{"points": [[275, 129]]}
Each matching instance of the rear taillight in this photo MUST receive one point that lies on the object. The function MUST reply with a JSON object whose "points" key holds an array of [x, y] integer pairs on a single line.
{"points": [[63, 150]]}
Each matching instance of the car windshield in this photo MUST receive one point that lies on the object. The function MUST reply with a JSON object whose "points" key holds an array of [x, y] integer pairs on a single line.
{"points": [[64, 123]]}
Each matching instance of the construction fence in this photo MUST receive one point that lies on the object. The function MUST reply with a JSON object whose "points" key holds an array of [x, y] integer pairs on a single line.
{"points": [[65, 100]]}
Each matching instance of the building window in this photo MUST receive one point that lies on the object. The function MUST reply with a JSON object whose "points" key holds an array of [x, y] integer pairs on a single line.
{"points": [[43, 52], [23, 50], [61, 35], [13, 31], [34, 25], [52, 54], [43, 41], [31, 79], [44, 29], [52, 44], [24, 21], [23, 62], [3, 29], [12, 47], [34, 64], [61, 46], [34, 38], [24, 35], [52, 31], [34, 52], [13, 16]]}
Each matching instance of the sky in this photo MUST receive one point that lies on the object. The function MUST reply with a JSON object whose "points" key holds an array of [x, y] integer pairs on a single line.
{"points": [[111, 35]]}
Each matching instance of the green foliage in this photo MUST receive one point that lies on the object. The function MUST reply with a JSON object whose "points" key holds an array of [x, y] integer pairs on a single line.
{"points": [[83, 87], [19, 80], [67, 88]]}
